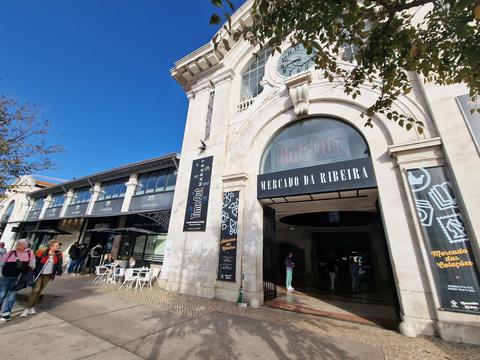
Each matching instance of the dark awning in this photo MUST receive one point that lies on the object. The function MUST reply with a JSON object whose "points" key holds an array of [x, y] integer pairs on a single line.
{"points": [[105, 230], [135, 230], [49, 231]]}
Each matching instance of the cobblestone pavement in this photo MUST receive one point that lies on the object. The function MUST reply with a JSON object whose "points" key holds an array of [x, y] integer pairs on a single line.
{"points": [[69, 296], [394, 345]]}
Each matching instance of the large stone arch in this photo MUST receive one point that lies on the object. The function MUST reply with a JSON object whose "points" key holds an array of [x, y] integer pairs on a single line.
{"points": [[393, 200]]}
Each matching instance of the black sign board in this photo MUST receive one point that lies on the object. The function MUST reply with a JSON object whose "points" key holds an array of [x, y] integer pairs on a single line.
{"points": [[158, 201], [33, 215], [107, 206], [51, 213], [345, 175], [228, 237], [198, 193], [447, 240], [76, 210]]}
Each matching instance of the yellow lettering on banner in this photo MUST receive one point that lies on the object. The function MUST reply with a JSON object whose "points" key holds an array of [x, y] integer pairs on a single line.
{"points": [[456, 264], [438, 253]]}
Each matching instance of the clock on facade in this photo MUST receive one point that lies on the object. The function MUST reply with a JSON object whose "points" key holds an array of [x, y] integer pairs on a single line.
{"points": [[295, 60]]}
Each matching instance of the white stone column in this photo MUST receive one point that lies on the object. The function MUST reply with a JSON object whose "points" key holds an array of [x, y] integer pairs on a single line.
{"points": [[94, 197], [131, 186], [68, 200]]}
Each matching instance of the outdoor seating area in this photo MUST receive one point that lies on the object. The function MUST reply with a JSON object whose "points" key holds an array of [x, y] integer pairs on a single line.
{"points": [[132, 278]]}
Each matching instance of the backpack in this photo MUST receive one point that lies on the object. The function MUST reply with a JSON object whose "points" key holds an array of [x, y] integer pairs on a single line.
{"points": [[15, 268], [83, 252], [74, 252]]}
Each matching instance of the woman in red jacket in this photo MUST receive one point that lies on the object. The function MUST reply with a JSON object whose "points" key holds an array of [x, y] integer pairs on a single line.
{"points": [[49, 264]]}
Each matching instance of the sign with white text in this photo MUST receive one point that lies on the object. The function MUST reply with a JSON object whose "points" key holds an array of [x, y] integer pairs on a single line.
{"points": [[198, 194], [340, 176]]}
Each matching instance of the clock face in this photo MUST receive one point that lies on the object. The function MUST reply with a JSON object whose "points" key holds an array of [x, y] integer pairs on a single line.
{"points": [[295, 60]]}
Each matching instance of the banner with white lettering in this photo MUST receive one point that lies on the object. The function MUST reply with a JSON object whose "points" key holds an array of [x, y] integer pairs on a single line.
{"points": [[447, 240], [339, 176], [228, 238], [198, 194]]}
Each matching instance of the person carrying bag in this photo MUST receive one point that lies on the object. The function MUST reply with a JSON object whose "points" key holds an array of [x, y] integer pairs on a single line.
{"points": [[17, 273], [49, 265]]}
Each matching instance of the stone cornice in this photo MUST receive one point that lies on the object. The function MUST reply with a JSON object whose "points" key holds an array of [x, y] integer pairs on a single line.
{"points": [[421, 145], [191, 66], [417, 153]]}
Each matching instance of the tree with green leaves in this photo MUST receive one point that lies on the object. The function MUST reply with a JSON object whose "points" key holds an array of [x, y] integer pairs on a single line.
{"points": [[23, 149], [438, 39]]}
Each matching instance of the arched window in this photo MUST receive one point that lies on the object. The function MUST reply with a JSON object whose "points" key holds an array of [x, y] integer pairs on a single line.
{"points": [[8, 212], [252, 76], [312, 142]]}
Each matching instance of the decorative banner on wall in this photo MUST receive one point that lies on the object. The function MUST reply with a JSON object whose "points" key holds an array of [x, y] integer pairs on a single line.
{"points": [[447, 240], [345, 175], [198, 193], [228, 238]]}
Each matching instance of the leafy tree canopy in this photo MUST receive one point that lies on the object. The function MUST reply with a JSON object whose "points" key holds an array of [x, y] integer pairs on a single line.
{"points": [[438, 39], [22, 147]]}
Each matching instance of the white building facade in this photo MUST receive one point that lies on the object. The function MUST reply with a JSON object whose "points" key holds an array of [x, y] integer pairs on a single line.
{"points": [[15, 205], [259, 135]]}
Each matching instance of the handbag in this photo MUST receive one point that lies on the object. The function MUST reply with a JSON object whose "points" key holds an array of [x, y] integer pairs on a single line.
{"points": [[14, 268]]}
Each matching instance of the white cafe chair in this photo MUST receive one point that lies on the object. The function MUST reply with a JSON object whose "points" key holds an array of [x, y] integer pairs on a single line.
{"points": [[101, 273], [144, 277], [156, 273], [131, 276], [118, 272]]}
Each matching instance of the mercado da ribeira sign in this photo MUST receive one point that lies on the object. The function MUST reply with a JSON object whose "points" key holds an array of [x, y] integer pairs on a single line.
{"points": [[344, 175]]}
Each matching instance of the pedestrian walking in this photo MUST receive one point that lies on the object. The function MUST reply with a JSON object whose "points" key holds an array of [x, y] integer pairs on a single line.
{"points": [[81, 260], [95, 254], [332, 268], [2, 249], [354, 268], [16, 265], [289, 265], [49, 264], [74, 254]]}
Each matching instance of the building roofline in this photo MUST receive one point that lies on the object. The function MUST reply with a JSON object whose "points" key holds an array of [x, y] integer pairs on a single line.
{"points": [[192, 65], [161, 162]]}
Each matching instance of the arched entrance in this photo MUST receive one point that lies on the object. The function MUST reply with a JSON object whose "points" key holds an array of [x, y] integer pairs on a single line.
{"points": [[320, 199]]}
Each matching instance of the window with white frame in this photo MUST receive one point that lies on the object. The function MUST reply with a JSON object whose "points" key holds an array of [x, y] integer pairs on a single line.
{"points": [[57, 200], [113, 189], [38, 204], [81, 195], [252, 76]]}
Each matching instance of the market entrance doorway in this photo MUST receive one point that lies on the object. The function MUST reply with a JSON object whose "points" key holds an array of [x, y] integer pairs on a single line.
{"points": [[340, 256]]}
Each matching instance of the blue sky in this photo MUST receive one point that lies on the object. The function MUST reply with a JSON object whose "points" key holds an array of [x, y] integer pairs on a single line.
{"points": [[100, 71]]}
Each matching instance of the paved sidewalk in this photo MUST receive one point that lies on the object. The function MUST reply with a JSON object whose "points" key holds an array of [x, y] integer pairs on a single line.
{"points": [[78, 320]]}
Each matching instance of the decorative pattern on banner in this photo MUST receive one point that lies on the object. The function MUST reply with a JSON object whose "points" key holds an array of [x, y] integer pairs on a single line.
{"points": [[198, 193], [228, 237], [447, 240]]}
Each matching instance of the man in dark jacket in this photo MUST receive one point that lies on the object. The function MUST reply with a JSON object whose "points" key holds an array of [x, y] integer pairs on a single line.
{"points": [[74, 253], [83, 253]]}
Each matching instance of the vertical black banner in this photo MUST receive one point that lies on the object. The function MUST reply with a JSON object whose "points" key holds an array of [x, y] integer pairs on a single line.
{"points": [[228, 238], [447, 240], [198, 193]]}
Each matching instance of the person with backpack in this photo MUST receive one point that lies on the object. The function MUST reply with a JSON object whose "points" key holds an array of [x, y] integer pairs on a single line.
{"points": [[16, 265], [49, 264], [74, 254], [95, 255], [83, 253]]}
